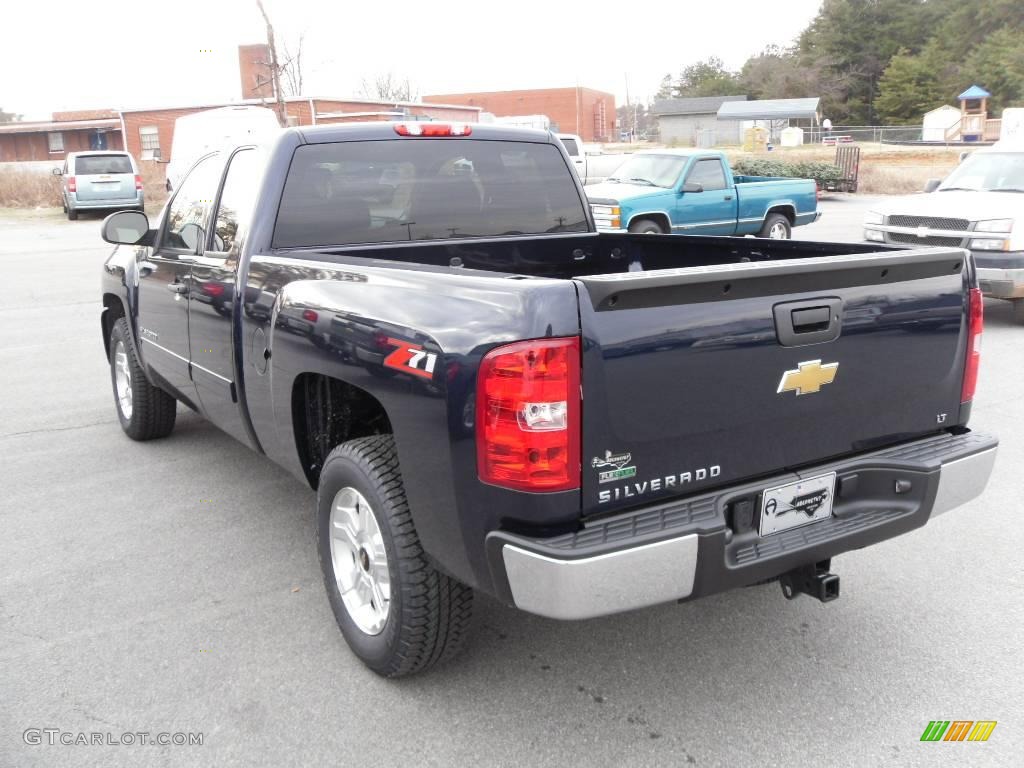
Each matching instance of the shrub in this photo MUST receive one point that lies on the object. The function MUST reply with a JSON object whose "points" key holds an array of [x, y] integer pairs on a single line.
{"points": [[822, 173]]}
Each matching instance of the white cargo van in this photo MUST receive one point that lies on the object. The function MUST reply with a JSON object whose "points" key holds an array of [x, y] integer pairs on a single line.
{"points": [[196, 134]]}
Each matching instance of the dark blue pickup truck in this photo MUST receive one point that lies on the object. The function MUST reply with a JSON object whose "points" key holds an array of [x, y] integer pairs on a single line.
{"points": [[420, 321]]}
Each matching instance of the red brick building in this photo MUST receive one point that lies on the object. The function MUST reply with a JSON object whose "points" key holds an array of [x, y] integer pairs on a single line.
{"points": [[52, 140], [583, 111], [149, 133]]}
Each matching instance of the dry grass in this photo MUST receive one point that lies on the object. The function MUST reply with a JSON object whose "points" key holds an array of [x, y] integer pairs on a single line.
{"points": [[20, 188], [894, 180], [154, 179]]}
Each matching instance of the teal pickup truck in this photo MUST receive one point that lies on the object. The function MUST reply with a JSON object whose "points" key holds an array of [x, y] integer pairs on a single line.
{"points": [[694, 192]]}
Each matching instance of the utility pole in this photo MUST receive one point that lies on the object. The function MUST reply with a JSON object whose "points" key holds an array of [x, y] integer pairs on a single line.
{"points": [[626, 76], [275, 69]]}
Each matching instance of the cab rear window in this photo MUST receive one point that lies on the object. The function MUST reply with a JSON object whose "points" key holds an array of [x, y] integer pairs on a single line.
{"points": [[87, 165], [425, 189]]}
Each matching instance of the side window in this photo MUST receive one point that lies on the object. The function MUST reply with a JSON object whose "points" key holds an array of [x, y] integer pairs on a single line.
{"points": [[571, 146], [708, 173], [236, 199], [189, 211]]}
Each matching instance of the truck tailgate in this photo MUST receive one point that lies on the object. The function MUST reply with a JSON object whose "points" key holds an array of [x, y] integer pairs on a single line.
{"points": [[705, 376]]}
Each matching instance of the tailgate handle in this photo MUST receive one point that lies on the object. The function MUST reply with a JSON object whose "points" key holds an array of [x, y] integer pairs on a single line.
{"points": [[808, 320], [814, 321]]}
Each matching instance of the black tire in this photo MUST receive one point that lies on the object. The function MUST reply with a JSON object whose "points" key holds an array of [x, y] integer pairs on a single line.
{"points": [[152, 410], [1017, 310], [646, 227], [773, 220], [71, 212], [429, 613]]}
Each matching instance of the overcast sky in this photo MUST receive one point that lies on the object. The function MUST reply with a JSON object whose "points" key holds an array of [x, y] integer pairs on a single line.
{"points": [[60, 55]]}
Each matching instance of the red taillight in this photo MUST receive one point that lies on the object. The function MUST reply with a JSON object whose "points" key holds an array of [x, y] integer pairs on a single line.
{"points": [[138, 181], [433, 129], [528, 415], [213, 289], [309, 315], [72, 184], [975, 325]]}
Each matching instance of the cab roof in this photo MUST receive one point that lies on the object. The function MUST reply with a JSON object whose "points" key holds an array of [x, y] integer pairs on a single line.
{"points": [[381, 131]]}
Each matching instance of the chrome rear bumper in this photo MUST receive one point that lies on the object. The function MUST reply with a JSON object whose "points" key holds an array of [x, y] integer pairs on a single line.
{"points": [[693, 547]]}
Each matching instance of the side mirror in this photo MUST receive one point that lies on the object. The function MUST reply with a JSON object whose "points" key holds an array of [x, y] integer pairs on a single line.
{"points": [[932, 184], [57, 172], [126, 228], [692, 186], [964, 156], [191, 234]]}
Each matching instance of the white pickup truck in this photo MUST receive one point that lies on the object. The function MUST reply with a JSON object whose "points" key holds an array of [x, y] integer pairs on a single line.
{"points": [[979, 206], [592, 165]]}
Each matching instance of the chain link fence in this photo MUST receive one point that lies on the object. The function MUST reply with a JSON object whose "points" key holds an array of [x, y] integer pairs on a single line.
{"points": [[867, 133]]}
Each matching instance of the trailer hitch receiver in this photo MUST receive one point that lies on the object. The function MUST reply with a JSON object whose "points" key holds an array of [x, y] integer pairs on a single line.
{"points": [[814, 580]]}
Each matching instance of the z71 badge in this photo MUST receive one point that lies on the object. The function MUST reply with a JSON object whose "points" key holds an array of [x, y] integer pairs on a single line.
{"points": [[411, 358]]}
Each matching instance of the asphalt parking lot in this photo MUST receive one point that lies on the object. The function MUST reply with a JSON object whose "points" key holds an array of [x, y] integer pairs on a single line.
{"points": [[173, 586]]}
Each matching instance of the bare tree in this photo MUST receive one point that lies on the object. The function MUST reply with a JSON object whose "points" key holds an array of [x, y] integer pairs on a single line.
{"points": [[291, 69], [275, 68], [389, 87]]}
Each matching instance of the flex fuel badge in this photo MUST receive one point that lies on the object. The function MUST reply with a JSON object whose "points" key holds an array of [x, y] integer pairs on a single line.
{"points": [[614, 467]]}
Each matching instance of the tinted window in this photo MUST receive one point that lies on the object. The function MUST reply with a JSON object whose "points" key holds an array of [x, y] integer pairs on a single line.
{"points": [[186, 219], [236, 198], [571, 146], [86, 165], [708, 173], [425, 189]]}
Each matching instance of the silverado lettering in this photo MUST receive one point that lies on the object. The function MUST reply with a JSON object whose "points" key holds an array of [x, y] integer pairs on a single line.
{"points": [[658, 484]]}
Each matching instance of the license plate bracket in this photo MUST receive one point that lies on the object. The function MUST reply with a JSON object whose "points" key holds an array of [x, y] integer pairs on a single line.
{"points": [[792, 505]]}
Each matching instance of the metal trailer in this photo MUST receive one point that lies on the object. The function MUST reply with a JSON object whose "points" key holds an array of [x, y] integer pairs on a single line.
{"points": [[848, 160]]}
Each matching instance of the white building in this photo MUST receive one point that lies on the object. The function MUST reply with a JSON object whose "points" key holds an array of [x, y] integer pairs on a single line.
{"points": [[938, 121]]}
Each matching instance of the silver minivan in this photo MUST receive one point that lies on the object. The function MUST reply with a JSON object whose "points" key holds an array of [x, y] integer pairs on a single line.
{"points": [[98, 180]]}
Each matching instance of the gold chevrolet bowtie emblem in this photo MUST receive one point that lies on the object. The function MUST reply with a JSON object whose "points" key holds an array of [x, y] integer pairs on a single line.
{"points": [[810, 377]]}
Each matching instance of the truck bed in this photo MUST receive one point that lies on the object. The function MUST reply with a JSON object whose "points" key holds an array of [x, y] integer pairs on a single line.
{"points": [[684, 348]]}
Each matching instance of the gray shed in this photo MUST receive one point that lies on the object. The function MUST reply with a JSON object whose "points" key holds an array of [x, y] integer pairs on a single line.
{"points": [[695, 122], [777, 113]]}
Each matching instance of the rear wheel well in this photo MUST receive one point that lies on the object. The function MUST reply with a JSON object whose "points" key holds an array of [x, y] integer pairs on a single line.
{"points": [[113, 309], [327, 412], [784, 210]]}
